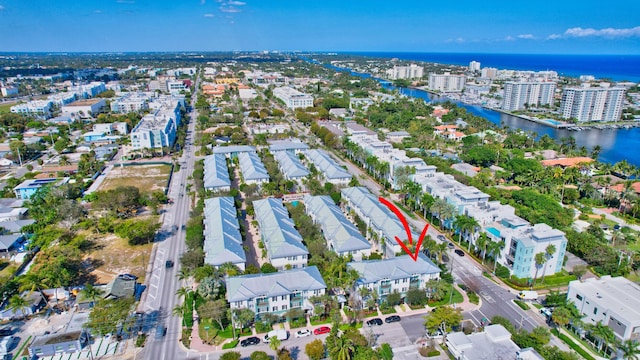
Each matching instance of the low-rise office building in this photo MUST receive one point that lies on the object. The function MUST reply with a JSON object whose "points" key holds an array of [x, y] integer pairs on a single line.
{"points": [[293, 98], [222, 239], [282, 240], [398, 274], [341, 235], [275, 293], [613, 301]]}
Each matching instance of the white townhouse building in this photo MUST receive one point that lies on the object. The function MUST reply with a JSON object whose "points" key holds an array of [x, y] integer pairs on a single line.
{"points": [[233, 151], [330, 170], [295, 147], [613, 300], [398, 274], [37, 108], [279, 235], [293, 98], [342, 236], [382, 225], [216, 173], [275, 293], [290, 166], [252, 168], [222, 239]]}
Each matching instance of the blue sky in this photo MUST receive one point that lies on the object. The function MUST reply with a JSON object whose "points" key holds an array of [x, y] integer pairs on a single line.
{"points": [[494, 26]]}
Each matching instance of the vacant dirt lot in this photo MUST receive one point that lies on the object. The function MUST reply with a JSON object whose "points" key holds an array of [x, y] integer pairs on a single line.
{"points": [[147, 178], [114, 256]]}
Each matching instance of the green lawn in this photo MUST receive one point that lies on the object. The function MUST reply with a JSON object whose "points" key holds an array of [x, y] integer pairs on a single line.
{"points": [[457, 298], [5, 108]]}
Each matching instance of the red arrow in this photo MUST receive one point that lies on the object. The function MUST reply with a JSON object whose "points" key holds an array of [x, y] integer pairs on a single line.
{"points": [[414, 255]]}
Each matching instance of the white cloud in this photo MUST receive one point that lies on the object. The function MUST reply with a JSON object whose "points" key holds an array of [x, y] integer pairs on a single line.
{"points": [[209, 15], [526, 36], [553, 37], [509, 38], [229, 9], [607, 32], [236, 3], [456, 40]]}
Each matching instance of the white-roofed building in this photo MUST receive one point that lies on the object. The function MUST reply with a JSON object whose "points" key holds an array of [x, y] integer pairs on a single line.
{"points": [[341, 235], [614, 301], [293, 98], [382, 225], [275, 293], [37, 108], [158, 128], [290, 166], [330, 169], [279, 235], [252, 168], [398, 274], [216, 173], [491, 344], [131, 102], [222, 239]]}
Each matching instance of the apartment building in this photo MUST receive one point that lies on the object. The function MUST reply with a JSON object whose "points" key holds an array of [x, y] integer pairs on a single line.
{"points": [[295, 147], [216, 173], [109, 128], [40, 109], [446, 82], [412, 71], [232, 151], [341, 235], [519, 95], [222, 239], [398, 274], [275, 293], [614, 301], [293, 98], [158, 128], [588, 103], [131, 102], [252, 168], [282, 240]]}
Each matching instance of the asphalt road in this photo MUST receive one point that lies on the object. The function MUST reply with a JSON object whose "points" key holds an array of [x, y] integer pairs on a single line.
{"points": [[161, 295]]}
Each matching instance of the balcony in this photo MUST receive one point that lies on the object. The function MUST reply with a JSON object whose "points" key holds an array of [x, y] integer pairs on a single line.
{"points": [[385, 288], [414, 283], [262, 302], [295, 304], [262, 309]]}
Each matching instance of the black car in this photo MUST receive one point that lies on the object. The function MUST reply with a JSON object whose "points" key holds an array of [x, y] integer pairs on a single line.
{"points": [[250, 341], [168, 264], [376, 321], [6, 332], [393, 318], [459, 252], [128, 277]]}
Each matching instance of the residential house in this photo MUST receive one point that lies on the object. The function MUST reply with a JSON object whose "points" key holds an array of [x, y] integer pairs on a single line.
{"points": [[330, 170], [275, 293], [232, 151], [216, 173], [492, 343], [290, 166], [28, 187], [252, 168], [58, 343], [295, 147]]}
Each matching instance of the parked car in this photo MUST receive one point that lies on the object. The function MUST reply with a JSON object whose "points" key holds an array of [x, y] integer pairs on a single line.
{"points": [[250, 341], [168, 264], [441, 237], [128, 277], [392, 318], [303, 333], [322, 330], [280, 334], [459, 252], [450, 245], [376, 321], [6, 331], [546, 312]]}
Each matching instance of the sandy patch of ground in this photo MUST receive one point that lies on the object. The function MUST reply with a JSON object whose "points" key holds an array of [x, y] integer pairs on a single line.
{"points": [[144, 177]]}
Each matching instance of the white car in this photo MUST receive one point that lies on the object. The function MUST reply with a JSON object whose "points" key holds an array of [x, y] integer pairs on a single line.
{"points": [[303, 333]]}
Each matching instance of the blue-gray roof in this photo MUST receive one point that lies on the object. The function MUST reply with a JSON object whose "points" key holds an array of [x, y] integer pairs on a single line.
{"points": [[252, 167], [233, 149], [247, 287], [381, 217], [281, 237], [216, 173], [399, 267], [7, 241], [338, 231], [326, 165], [222, 239], [287, 145], [290, 165]]}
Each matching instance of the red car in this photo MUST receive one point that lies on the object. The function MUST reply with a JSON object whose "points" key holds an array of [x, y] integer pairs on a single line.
{"points": [[322, 330]]}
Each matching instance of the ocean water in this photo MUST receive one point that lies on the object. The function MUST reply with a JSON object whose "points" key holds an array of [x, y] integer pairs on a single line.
{"points": [[615, 67]]}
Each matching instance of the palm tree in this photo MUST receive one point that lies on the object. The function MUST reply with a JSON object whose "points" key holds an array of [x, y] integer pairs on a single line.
{"points": [[549, 251], [344, 348], [178, 310], [91, 292], [481, 245], [540, 259], [183, 274], [494, 248], [18, 304], [183, 292], [630, 349], [561, 316], [603, 333], [274, 344]]}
